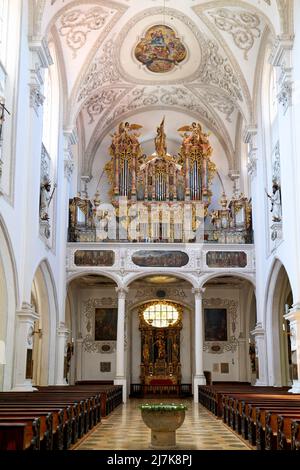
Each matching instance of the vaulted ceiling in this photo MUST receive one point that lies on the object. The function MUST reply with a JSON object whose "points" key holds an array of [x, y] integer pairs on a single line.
{"points": [[104, 82]]}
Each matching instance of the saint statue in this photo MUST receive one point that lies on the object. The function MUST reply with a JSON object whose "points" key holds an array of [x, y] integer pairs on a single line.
{"points": [[161, 351], [175, 351], [160, 140], [275, 198], [45, 199], [146, 353]]}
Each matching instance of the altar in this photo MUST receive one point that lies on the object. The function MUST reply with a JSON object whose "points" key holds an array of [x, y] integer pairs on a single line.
{"points": [[160, 326]]}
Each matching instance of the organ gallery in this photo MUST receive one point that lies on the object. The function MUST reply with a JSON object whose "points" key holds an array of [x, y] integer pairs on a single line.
{"points": [[161, 197]]}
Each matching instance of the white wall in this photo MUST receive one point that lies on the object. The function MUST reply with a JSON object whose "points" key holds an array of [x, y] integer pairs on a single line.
{"points": [[90, 359], [19, 204], [90, 365]]}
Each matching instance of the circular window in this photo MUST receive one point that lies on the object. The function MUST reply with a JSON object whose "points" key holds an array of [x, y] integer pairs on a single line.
{"points": [[161, 315]]}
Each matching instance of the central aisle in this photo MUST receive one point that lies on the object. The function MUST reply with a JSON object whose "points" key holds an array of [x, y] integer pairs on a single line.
{"points": [[124, 429]]}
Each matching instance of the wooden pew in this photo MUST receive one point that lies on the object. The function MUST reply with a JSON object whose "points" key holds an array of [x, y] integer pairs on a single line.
{"points": [[246, 409], [55, 440], [19, 433], [46, 424]]}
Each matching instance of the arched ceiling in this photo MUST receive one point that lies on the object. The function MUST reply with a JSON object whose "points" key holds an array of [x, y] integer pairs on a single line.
{"points": [[105, 83]]}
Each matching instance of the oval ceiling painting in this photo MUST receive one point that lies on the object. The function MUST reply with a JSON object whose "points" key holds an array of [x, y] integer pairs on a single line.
{"points": [[160, 50]]}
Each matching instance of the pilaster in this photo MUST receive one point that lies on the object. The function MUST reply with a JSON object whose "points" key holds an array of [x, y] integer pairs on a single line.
{"points": [[25, 319], [294, 318], [199, 378], [62, 334], [259, 335]]}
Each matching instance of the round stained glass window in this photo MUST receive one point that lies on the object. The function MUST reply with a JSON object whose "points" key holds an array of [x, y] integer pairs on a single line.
{"points": [[161, 315]]}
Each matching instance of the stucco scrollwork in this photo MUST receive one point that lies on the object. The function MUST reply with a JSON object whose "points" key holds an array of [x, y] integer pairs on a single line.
{"points": [[101, 71], [151, 96], [76, 24], [88, 317], [276, 172], [151, 292], [242, 25], [101, 101], [217, 70], [285, 95], [219, 347], [222, 104]]}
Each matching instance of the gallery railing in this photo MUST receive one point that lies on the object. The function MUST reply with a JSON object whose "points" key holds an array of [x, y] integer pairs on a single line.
{"points": [[83, 234]]}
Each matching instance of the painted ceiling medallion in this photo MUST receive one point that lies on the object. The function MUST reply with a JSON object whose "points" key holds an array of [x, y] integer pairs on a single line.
{"points": [[160, 50]]}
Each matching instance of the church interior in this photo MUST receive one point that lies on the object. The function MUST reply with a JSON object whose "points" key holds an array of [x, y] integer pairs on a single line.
{"points": [[149, 228]]}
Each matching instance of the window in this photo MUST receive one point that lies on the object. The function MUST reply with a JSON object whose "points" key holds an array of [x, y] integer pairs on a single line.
{"points": [[161, 315], [51, 107]]}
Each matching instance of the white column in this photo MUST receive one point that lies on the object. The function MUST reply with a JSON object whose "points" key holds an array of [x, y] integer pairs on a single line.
{"points": [[243, 359], [261, 354], [25, 319], [199, 378], [294, 318], [78, 355], [61, 342], [120, 353]]}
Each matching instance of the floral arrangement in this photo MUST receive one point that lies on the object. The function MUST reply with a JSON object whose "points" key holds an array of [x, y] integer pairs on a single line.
{"points": [[162, 407]]}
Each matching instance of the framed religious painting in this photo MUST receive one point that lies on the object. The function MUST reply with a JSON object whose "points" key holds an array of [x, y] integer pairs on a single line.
{"points": [[106, 324], [215, 324]]}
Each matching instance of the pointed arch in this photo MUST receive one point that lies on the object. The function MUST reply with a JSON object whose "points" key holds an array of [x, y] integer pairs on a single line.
{"points": [[9, 300], [44, 299], [278, 290]]}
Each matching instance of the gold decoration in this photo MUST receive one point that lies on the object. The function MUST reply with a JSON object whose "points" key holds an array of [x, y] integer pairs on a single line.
{"points": [[160, 347], [144, 323]]}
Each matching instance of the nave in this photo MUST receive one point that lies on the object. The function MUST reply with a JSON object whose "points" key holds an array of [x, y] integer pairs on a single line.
{"points": [[125, 430]]}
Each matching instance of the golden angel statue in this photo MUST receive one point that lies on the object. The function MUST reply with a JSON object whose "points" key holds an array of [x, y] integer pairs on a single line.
{"points": [[194, 135], [124, 134]]}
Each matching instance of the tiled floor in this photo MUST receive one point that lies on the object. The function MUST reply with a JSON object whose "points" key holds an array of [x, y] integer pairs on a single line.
{"points": [[125, 430]]}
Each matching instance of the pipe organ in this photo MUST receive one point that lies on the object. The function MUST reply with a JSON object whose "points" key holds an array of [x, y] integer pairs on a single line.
{"points": [[160, 197], [161, 177]]}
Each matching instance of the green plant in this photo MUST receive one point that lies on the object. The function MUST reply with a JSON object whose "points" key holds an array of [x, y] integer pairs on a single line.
{"points": [[162, 407]]}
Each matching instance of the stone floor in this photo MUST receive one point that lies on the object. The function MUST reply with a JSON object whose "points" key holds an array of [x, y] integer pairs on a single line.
{"points": [[125, 430]]}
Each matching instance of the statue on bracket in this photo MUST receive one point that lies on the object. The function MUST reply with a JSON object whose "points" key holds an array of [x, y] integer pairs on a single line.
{"points": [[160, 140], [45, 198], [275, 198]]}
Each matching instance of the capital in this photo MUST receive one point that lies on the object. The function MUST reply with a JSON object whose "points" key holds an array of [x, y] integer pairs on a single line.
{"points": [[293, 314], [198, 292], [122, 292], [62, 330], [27, 313]]}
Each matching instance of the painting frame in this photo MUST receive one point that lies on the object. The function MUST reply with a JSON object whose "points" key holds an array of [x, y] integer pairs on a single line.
{"points": [[219, 347], [215, 324], [105, 324]]}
